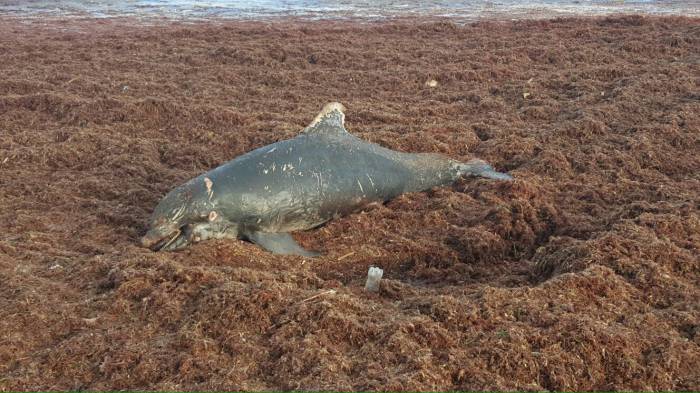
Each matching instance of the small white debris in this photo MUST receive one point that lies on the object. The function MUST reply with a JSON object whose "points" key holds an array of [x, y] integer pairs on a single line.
{"points": [[56, 266], [374, 275], [526, 94], [431, 83], [351, 253], [328, 292]]}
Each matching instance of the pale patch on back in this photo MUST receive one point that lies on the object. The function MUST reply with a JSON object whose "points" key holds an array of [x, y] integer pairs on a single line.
{"points": [[332, 114]]}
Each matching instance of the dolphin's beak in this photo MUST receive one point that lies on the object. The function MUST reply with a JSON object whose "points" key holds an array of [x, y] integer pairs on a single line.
{"points": [[157, 239], [173, 240], [149, 240]]}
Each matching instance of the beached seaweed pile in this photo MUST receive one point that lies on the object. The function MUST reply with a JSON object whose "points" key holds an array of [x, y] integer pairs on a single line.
{"points": [[584, 273]]}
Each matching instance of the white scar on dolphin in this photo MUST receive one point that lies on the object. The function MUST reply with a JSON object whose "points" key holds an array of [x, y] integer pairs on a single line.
{"points": [[256, 202], [208, 183]]}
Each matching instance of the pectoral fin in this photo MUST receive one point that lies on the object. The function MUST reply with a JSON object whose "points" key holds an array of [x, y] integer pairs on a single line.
{"points": [[280, 243]]}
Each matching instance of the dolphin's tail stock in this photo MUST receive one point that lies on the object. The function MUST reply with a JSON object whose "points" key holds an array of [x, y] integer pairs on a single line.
{"points": [[481, 168]]}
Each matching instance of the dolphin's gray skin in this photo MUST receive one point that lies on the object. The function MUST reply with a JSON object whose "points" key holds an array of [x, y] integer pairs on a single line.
{"points": [[297, 184]]}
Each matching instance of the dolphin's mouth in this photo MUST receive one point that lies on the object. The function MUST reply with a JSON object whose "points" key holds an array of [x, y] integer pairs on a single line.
{"points": [[167, 241], [174, 241]]}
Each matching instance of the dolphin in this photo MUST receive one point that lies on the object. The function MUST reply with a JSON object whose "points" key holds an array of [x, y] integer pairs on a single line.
{"points": [[297, 184]]}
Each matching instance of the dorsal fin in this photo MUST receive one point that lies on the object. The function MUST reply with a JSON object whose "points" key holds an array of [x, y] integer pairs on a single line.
{"points": [[331, 120]]}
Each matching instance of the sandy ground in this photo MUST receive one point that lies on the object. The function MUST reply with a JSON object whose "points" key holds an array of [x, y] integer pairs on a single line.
{"points": [[582, 274]]}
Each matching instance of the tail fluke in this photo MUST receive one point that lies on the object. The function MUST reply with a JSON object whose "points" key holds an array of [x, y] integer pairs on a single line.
{"points": [[481, 168]]}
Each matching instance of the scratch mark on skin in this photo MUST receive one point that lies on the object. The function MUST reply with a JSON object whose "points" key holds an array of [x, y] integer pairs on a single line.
{"points": [[370, 180], [209, 183], [271, 150], [178, 213], [286, 167], [360, 184], [319, 180]]}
